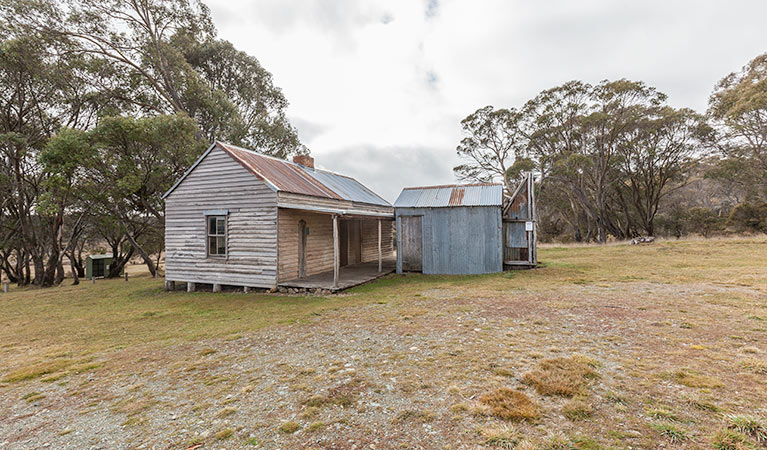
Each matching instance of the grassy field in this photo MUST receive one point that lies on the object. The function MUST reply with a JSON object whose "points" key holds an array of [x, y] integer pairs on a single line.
{"points": [[602, 347]]}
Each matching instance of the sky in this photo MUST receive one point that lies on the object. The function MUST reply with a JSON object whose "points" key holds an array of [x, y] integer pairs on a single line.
{"points": [[378, 88]]}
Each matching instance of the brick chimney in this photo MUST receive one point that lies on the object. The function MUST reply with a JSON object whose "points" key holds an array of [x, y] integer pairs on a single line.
{"points": [[304, 160]]}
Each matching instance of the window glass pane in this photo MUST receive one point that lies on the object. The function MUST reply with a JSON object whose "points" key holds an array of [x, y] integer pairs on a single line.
{"points": [[221, 245], [212, 245], [221, 226], [211, 225]]}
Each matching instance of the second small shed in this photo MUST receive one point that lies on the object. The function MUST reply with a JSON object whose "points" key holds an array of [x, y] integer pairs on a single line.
{"points": [[450, 229], [97, 266]]}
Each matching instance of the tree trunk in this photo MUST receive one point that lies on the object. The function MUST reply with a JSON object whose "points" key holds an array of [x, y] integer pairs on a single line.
{"points": [[59, 273], [144, 256], [75, 275], [119, 263]]}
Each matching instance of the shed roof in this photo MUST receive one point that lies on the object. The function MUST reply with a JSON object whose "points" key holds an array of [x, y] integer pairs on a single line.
{"points": [[103, 256], [480, 194], [287, 176]]}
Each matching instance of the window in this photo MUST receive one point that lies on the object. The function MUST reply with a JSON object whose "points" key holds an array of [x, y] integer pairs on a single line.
{"points": [[216, 235]]}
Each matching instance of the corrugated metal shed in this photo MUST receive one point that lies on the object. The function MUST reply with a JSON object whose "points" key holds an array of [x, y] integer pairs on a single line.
{"points": [[287, 176], [482, 194]]}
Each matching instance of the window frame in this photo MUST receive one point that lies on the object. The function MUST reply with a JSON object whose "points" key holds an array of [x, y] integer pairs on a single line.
{"points": [[225, 235]]}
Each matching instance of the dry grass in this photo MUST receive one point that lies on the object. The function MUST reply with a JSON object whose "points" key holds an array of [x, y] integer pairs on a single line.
{"points": [[663, 414], [510, 404], [577, 409], [562, 376], [226, 412], [670, 431], [501, 437], [37, 370], [404, 362], [289, 427], [731, 440], [755, 365], [695, 380], [416, 416], [224, 434], [344, 394], [748, 425]]}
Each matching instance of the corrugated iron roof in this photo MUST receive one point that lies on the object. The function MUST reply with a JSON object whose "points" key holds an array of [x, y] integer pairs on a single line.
{"points": [[291, 177], [482, 194]]}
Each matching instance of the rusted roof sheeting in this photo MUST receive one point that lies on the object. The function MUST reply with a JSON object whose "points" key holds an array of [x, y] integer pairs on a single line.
{"points": [[281, 174], [290, 177], [456, 196], [485, 194]]}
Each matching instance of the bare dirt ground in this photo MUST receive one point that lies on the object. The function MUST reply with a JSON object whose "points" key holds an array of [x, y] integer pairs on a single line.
{"points": [[663, 346]]}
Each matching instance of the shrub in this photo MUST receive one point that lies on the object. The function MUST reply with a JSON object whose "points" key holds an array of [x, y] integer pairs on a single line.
{"points": [[749, 217], [702, 220]]}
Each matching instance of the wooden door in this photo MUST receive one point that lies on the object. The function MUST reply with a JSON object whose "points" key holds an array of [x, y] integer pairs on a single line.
{"points": [[301, 249], [343, 238], [355, 242], [412, 245]]}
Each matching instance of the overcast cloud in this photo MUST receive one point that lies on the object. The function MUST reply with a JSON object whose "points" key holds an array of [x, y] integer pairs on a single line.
{"points": [[377, 89]]}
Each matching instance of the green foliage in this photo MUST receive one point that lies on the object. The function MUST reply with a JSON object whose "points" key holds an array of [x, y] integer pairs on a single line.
{"points": [[738, 106], [702, 220], [493, 140], [162, 56], [749, 217]]}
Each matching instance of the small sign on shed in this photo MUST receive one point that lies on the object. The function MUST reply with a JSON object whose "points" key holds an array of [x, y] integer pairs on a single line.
{"points": [[529, 226]]}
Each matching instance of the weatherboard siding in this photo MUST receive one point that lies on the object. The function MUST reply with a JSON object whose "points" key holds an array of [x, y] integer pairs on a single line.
{"points": [[219, 182], [319, 242], [370, 239]]}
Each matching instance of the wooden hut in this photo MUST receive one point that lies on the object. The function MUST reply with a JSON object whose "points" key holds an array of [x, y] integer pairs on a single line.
{"points": [[241, 218]]}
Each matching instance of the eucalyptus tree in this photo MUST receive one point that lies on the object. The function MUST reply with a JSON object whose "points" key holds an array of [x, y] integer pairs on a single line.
{"points": [[136, 161], [167, 59], [738, 111], [41, 89], [658, 153], [493, 140]]}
